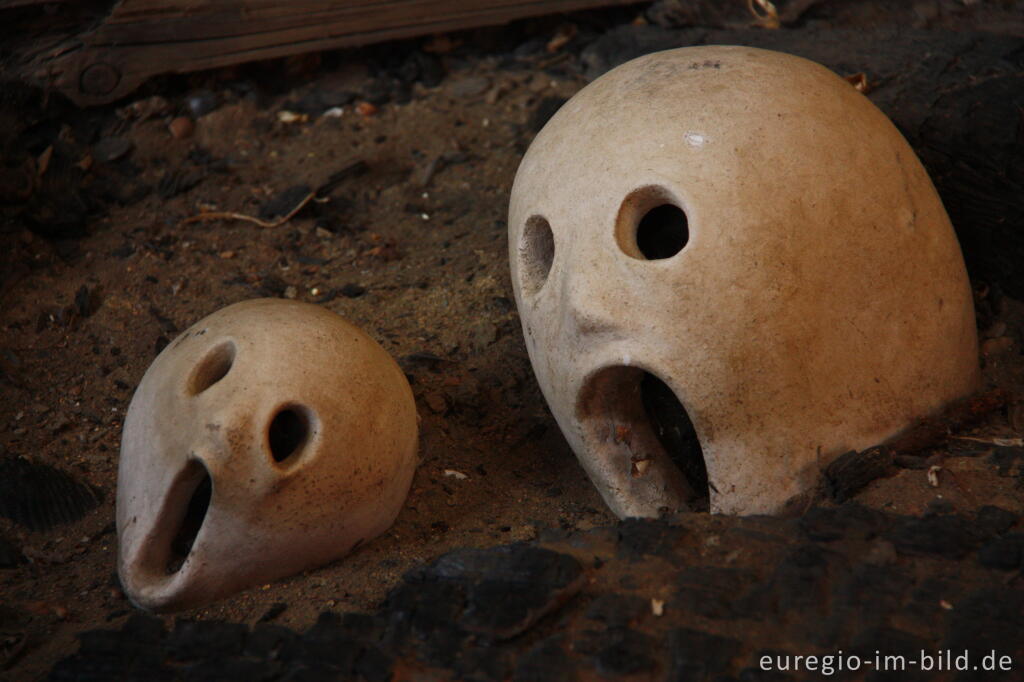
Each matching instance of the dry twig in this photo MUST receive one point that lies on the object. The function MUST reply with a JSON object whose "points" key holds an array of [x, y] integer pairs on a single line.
{"points": [[231, 215]]}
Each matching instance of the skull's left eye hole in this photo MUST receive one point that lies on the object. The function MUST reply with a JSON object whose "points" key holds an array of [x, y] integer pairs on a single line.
{"points": [[288, 432], [212, 368], [536, 254]]}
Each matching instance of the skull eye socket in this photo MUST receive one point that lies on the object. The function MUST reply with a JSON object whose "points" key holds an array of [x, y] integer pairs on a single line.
{"points": [[288, 433], [651, 225], [212, 368], [536, 253]]}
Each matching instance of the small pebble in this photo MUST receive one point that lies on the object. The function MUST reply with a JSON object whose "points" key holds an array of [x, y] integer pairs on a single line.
{"points": [[996, 346], [202, 102], [366, 109], [111, 149], [285, 116], [182, 127], [436, 402], [997, 329], [470, 87]]}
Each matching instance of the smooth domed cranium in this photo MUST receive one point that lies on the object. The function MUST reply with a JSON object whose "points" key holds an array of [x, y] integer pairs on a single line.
{"points": [[270, 437], [744, 231]]}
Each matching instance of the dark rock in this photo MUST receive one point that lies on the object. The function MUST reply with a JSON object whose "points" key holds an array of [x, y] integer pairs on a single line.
{"points": [[698, 656], [544, 661], [617, 610], [885, 641], [362, 625], [618, 651], [927, 599], [469, 86], [216, 669], [644, 537], [947, 535], [1004, 554], [178, 181], [993, 520], [850, 473], [986, 620], [510, 587], [800, 579], [752, 674], [329, 646], [144, 628], [374, 665], [483, 661], [850, 520], [714, 592], [111, 149], [38, 496], [872, 591], [423, 615], [193, 640], [270, 642]]}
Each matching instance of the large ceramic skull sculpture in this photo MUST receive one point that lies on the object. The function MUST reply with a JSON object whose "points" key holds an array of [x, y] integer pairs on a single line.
{"points": [[270, 437], [744, 231]]}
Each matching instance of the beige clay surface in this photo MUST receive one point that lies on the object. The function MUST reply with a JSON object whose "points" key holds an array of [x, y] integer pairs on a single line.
{"points": [[308, 431], [819, 305]]}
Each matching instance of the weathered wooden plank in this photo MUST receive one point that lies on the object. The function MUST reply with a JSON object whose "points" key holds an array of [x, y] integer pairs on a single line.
{"points": [[8, 4], [234, 19], [143, 38]]}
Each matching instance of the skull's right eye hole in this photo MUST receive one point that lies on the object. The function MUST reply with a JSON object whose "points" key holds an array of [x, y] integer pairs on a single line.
{"points": [[651, 225], [536, 253], [212, 368], [662, 232], [288, 432]]}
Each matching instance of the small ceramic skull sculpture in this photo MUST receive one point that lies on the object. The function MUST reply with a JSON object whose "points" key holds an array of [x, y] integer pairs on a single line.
{"points": [[270, 437], [746, 231]]}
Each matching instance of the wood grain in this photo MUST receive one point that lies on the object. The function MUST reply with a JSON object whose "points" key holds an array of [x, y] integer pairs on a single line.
{"points": [[143, 38]]}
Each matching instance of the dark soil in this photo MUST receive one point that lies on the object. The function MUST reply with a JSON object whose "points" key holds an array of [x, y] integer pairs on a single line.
{"points": [[100, 271]]}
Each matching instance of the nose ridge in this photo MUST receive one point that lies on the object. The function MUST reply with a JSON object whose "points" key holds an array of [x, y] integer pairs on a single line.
{"points": [[592, 305]]}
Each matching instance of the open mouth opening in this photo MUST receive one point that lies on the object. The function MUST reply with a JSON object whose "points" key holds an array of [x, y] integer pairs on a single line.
{"points": [[635, 422], [193, 491]]}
